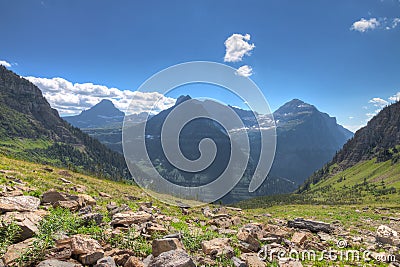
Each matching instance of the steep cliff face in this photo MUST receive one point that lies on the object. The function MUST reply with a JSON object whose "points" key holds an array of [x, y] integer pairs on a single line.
{"points": [[26, 117], [20, 98], [379, 139], [381, 133]]}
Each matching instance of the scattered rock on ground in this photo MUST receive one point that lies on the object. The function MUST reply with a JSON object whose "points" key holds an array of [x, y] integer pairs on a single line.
{"points": [[19, 203], [172, 258], [166, 244]]}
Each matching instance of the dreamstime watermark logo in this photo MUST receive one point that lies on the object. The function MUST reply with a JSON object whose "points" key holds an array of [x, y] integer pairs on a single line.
{"points": [[135, 137], [342, 254]]}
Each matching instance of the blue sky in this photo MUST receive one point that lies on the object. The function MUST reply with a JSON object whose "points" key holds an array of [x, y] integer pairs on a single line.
{"points": [[336, 55]]}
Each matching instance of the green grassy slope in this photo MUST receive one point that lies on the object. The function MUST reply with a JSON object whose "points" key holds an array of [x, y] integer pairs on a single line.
{"points": [[368, 182]]}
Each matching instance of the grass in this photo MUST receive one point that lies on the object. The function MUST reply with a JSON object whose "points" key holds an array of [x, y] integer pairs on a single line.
{"points": [[353, 217], [9, 232]]}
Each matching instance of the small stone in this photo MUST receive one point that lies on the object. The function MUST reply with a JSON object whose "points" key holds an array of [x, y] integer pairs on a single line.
{"points": [[104, 195]]}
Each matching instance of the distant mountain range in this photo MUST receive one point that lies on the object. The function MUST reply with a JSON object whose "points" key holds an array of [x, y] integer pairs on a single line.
{"points": [[306, 140], [30, 129]]}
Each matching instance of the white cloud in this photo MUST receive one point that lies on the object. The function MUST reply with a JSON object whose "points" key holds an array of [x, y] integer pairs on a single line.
{"points": [[378, 102], [364, 25], [245, 71], [395, 22], [71, 99], [5, 63], [395, 97], [237, 46]]}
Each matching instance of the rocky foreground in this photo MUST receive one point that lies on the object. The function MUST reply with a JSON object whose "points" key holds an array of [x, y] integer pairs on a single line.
{"points": [[210, 236]]}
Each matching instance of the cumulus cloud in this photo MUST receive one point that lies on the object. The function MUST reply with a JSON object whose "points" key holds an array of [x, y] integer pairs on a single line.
{"points": [[5, 63], [378, 102], [364, 25], [71, 98], [237, 46], [245, 71]]}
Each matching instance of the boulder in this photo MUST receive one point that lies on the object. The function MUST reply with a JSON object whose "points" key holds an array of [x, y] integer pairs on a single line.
{"points": [[238, 262], [83, 200], [120, 256], [249, 236], [252, 260], [106, 262], [52, 196], [91, 257], [172, 258], [82, 244], [15, 251], [386, 235], [289, 262], [165, 244], [299, 238], [128, 218], [246, 237], [19, 203], [217, 247], [313, 226], [221, 222], [133, 262], [27, 221], [97, 218], [71, 205]]}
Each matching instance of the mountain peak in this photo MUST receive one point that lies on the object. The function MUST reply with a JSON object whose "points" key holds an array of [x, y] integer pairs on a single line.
{"points": [[295, 106], [182, 98], [101, 114]]}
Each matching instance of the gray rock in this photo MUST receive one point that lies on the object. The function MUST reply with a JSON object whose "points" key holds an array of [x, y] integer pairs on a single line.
{"points": [[57, 263], [96, 217], [166, 244], [19, 203], [313, 226], [52, 196], [387, 235], [238, 262], [173, 258], [106, 262]]}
